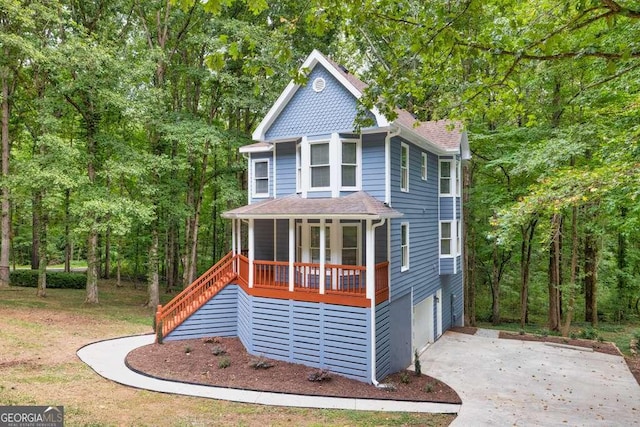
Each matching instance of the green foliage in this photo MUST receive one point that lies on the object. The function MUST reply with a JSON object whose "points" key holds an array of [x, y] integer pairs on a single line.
{"points": [[224, 362], [636, 337], [417, 366], [55, 280], [218, 350], [260, 363], [589, 334], [429, 387], [404, 378]]}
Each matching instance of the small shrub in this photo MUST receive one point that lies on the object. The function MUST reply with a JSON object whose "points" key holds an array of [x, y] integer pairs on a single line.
{"points": [[404, 378], [188, 350], [416, 363], [260, 363], [55, 279], [224, 362], [319, 375], [589, 334], [573, 335], [429, 387], [522, 332], [218, 350]]}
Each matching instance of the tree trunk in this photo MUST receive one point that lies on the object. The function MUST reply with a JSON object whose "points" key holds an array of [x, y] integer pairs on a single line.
{"points": [[5, 224], [92, 268], [153, 286], [574, 271], [42, 255], [495, 286], [591, 278], [68, 248], [554, 272], [525, 262], [35, 230], [106, 274], [469, 250]]}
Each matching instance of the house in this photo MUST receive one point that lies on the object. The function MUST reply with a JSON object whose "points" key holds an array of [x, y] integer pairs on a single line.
{"points": [[347, 255]]}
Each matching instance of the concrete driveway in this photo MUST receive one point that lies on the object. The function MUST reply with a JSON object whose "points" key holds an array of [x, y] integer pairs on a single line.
{"points": [[507, 382]]}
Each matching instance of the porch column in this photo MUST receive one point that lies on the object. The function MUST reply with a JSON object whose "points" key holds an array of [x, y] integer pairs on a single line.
{"points": [[251, 251], [322, 257], [234, 249], [292, 252], [371, 261]]}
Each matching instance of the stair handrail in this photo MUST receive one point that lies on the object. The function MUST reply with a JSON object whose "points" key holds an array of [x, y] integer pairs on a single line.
{"points": [[191, 293]]}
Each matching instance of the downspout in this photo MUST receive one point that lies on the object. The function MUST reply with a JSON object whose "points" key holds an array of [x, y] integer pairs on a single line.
{"points": [[387, 164], [373, 317]]}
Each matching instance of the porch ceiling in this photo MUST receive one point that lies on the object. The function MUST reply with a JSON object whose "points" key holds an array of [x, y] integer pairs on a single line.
{"points": [[358, 205]]}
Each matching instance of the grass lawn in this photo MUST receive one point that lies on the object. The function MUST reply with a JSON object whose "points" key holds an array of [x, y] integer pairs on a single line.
{"points": [[39, 338]]}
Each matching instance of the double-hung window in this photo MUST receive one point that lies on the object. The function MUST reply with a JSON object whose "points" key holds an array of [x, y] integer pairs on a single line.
{"points": [[404, 246], [445, 177], [349, 163], [261, 178], [404, 167], [446, 239], [320, 165]]}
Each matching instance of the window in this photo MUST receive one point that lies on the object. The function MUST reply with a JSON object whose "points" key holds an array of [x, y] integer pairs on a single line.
{"points": [[350, 252], [261, 178], [349, 163], [320, 167], [445, 177], [404, 167], [315, 244], [458, 238], [445, 239], [424, 169], [404, 246]]}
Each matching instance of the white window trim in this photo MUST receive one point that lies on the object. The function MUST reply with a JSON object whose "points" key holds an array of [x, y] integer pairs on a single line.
{"points": [[303, 232], [405, 267], [404, 170], [331, 178], [299, 167], [254, 192], [358, 143], [452, 238], [458, 251], [424, 171], [452, 181], [458, 177]]}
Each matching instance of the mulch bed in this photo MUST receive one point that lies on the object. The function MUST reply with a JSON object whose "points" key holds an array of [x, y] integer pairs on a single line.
{"points": [[193, 361], [601, 347]]}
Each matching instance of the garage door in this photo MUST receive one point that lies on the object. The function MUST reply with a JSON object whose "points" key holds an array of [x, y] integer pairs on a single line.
{"points": [[423, 324]]}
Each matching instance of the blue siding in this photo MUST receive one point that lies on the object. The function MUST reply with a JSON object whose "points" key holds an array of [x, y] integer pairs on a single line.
{"points": [[258, 156], [285, 168], [383, 341], [263, 239], [420, 208], [218, 317], [313, 113], [446, 265], [400, 327], [452, 300], [373, 163], [245, 320], [446, 208]]}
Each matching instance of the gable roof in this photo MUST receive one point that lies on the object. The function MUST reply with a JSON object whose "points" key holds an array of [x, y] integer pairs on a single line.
{"points": [[356, 205], [443, 136]]}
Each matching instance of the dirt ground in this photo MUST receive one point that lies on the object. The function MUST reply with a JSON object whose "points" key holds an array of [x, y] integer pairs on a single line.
{"points": [[193, 361]]}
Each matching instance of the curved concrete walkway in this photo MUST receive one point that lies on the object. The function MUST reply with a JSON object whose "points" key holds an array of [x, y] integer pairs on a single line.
{"points": [[107, 359], [510, 382]]}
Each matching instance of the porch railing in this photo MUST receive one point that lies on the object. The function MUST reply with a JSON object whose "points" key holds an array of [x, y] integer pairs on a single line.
{"points": [[340, 280]]}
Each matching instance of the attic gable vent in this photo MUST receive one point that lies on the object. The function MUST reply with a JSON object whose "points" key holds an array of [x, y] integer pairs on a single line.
{"points": [[319, 84]]}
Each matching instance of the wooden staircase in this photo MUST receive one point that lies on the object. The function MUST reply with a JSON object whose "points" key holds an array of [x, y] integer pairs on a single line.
{"points": [[194, 296]]}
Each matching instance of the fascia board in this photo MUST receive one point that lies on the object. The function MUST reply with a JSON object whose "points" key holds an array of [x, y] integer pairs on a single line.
{"points": [[310, 216], [249, 149]]}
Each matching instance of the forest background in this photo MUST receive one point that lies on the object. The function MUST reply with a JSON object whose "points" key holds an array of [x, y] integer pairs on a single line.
{"points": [[121, 122]]}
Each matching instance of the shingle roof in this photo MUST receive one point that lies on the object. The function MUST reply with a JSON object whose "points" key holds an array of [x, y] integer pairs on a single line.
{"points": [[356, 205], [443, 133]]}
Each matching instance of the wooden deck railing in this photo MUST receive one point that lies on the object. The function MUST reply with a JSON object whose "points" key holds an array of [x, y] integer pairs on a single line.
{"points": [[194, 296], [344, 284]]}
